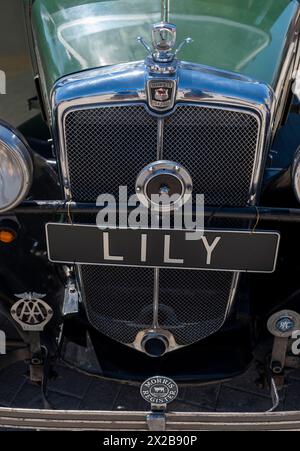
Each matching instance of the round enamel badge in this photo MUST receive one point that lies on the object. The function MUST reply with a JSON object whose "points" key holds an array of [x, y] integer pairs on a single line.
{"points": [[159, 390]]}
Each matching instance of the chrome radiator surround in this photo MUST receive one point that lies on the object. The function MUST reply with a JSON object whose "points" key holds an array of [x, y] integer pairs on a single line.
{"points": [[124, 86]]}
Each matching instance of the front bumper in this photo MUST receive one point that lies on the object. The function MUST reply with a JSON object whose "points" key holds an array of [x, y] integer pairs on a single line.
{"points": [[76, 420]]}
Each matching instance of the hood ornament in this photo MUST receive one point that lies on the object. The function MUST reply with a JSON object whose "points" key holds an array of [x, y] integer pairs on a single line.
{"points": [[162, 65], [163, 43]]}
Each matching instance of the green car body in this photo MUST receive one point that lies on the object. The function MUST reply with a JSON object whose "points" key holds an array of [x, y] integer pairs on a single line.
{"points": [[248, 37]]}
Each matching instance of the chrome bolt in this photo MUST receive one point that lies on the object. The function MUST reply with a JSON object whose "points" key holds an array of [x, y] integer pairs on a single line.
{"points": [[138, 189], [164, 189], [177, 168]]}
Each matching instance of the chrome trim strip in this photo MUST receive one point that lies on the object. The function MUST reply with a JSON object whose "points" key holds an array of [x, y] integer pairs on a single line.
{"points": [[160, 138], [285, 68], [233, 290], [155, 298], [165, 10], [51, 162], [109, 420], [296, 174]]}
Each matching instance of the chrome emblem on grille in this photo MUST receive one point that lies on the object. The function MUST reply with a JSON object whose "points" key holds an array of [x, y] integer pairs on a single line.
{"points": [[159, 390], [161, 94], [31, 312], [164, 186]]}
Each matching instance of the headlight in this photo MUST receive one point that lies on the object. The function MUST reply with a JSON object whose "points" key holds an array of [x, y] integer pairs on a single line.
{"points": [[15, 169]]}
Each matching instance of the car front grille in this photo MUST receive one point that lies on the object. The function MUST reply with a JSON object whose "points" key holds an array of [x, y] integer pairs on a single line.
{"points": [[106, 147], [217, 147], [120, 301]]}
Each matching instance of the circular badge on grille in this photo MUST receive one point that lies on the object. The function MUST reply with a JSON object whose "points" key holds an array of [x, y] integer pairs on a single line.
{"points": [[164, 185], [159, 390]]}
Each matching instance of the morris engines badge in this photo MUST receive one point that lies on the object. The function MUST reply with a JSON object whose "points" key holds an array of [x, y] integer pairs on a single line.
{"points": [[161, 94], [31, 312], [159, 390]]}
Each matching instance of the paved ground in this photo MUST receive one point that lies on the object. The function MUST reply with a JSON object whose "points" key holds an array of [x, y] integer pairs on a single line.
{"points": [[73, 390]]}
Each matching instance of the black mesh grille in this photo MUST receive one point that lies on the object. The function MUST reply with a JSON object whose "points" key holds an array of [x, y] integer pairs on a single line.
{"points": [[192, 304], [217, 147], [106, 148], [120, 301]]}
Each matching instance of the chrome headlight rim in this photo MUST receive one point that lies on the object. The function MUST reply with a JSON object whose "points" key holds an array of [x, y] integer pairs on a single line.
{"points": [[296, 174], [19, 151]]}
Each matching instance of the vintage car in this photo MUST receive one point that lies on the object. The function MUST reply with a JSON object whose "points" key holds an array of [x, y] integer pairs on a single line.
{"points": [[175, 98]]}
